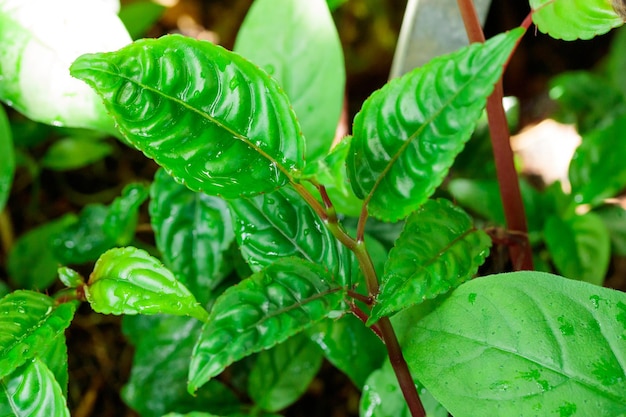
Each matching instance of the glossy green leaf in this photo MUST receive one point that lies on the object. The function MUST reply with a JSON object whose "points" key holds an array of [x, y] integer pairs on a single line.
{"points": [[282, 374], [140, 16], [350, 346], [7, 158], [260, 312], [382, 397], [163, 346], [597, 170], [214, 121], [130, 281], [614, 218], [574, 19], [32, 262], [408, 133], [438, 250], [32, 391], [29, 322], [74, 152], [329, 171], [524, 344], [193, 231], [55, 358], [297, 43], [580, 246], [69, 277], [121, 219], [40, 41], [272, 226]]}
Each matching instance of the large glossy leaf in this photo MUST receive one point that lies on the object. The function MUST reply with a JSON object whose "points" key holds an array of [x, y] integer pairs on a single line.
{"points": [[297, 43], [130, 281], [438, 250], [524, 344], [272, 226], [40, 40], [574, 19], [580, 246], [29, 323], [260, 312], [408, 133], [597, 170], [158, 379], [214, 121], [282, 374], [32, 391], [7, 158], [350, 346], [193, 231]]}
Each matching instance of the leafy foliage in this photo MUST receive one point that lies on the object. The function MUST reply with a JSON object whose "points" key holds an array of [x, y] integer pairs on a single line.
{"points": [[7, 159]]}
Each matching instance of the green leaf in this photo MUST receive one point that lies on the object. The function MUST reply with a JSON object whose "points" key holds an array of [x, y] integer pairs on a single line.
{"points": [[74, 152], [334, 4], [282, 374], [614, 218], [272, 226], [163, 346], [214, 121], [408, 133], [438, 250], [7, 158], [130, 281], [29, 321], [616, 60], [350, 346], [597, 169], [40, 42], [69, 277], [580, 246], [32, 391], [32, 262], [524, 344], [574, 19], [193, 231], [140, 16], [121, 220], [297, 43], [260, 312], [382, 397], [55, 358]]}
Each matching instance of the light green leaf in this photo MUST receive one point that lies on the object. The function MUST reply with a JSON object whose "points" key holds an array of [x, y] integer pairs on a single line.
{"points": [[29, 321], [272, 226], [614, 218], [40, 41], [260, 312], [297, 43], [74, 152], [140, 16], [69, 277], [163, 345], [438, 250], [580, 246], [282, 374], [214, 121], [55, 358], [524, 344], [7, 158], [408, 133], [32, 391], [130, 281], [574, 19], [193, 231]]}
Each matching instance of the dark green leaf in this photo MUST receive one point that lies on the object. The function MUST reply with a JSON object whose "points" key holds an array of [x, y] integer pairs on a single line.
{"points": [[216, 122], [29, 321], [260, 312], [158, 379], [74, 152], [282, 374], [580, 246], [32, 391], [7, 159], [350, 346], [193, 231], [130, 281], [597, 170], [616, 61], [524, 344], [574, 19], [382, 397], [614, 218], [121, 219], [139, 16], [438, 250], [32, 262], [272, 226], [297, 43], [407, 134]]}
